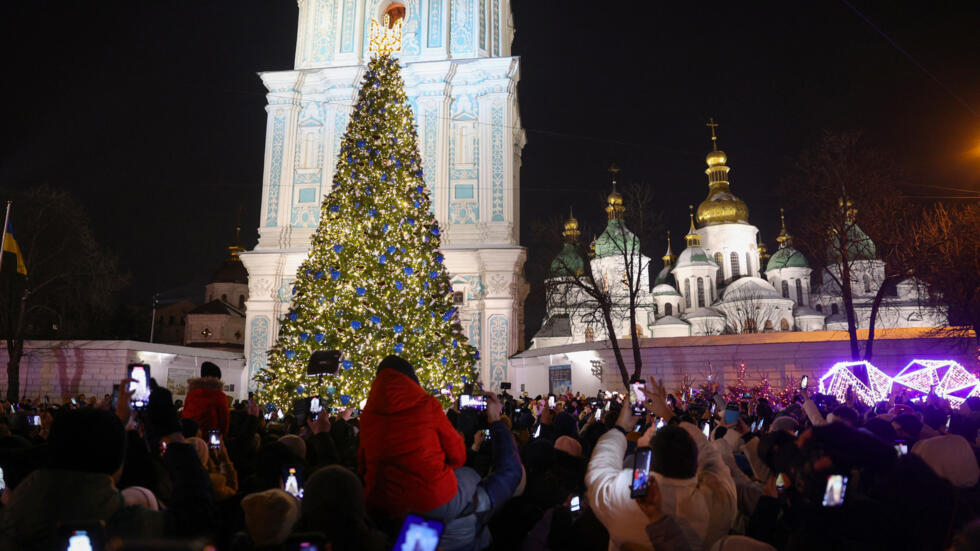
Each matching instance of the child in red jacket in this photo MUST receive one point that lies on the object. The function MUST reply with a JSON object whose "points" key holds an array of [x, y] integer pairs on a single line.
{"points": [[206, 401], [408, 448]]}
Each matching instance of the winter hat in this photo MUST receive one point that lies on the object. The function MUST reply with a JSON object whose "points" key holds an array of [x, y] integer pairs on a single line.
{"points": [[784, 423], [88, 440], [399, 365], [138, 495], [201, 448], [209, 369], [295, 444], [269, 516], [569, 445]]}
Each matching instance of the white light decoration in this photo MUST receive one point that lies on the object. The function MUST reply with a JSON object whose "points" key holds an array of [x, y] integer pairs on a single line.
{"points": [[867, 382], [950, 381]]}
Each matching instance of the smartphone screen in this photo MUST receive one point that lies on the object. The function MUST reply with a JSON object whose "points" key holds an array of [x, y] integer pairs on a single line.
{"points": [[901, 448], [292, 481], [833, 495], [598, 414], [214, 439], [804, 380], [551, 401], [731, 416], [486, 434], [81, 536], [661, 423], [140, 387], [419, 534], [37, 420], [280, 415], [575, 505], [163, 448], [706, 429], [641, 473], [3, 482], [779, 483], [473, 401], [537, 431], [315, 407]]}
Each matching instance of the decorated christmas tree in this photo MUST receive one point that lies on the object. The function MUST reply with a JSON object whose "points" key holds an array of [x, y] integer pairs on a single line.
{"points": [[374, 282]]}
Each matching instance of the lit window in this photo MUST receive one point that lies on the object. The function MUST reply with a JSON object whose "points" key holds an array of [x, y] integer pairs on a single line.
{"points": [[589, 334], [784, 325]]}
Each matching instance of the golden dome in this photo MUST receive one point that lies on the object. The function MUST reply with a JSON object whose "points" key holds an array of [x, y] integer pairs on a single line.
{"points": [[716, 158], [571, 232], [614, 205]]}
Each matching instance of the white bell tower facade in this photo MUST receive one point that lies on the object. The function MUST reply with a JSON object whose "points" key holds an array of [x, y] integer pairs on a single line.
{"points": [[462, 85]]}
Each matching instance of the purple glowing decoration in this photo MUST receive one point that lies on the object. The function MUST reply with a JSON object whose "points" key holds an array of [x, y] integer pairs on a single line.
{"points": [[947, 378]]}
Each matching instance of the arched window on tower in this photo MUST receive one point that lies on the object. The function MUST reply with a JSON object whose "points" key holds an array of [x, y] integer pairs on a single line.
{"points": [[799, 292], [768, 326], [867, 283], [700, 292], [783, 325], [736, 271], [721, 272], [834, 310], [785, 287], [687, 292], [668, 309], [395, 12]]}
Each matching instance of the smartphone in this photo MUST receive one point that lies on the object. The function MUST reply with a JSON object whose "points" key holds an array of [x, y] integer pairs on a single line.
{"points": [[638, 427], [706, 429], [537, 431], [140, 387], [661, 423], [551, 401], [473, 401], [315, 407], [598, 414], [81, 536], [37, 420], [575, 505], [833, 495], [292, 481], [163, 448], [280, 415], [419, 534], [73, 401], [804, 380], [306, 541], [780, 484], [486, 434], [713, 405], [731, 415], [641, 473], [3, 482], [214, 439], [948, 419], [901, 448]]}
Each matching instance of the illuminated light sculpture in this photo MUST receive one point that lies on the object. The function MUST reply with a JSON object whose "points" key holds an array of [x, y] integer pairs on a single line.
{"points": [[950, 381], [867, 382]]}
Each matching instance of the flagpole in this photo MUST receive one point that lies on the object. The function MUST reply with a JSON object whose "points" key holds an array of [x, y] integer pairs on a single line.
{"points": [[3, 240]]}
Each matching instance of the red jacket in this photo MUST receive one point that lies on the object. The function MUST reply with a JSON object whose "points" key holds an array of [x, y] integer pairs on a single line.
{"points": [[408, 447], [207, 404]]}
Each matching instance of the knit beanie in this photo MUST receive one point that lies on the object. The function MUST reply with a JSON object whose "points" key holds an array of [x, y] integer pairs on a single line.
{"points": [[399, 365], [269, 516], [209, 369], [295, 444], [138, 495], [88, 440], [783, 423], [569, 445]]}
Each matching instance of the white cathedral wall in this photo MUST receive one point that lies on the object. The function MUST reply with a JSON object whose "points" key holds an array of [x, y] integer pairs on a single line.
{"points": [[729, 238], [470, 139]]}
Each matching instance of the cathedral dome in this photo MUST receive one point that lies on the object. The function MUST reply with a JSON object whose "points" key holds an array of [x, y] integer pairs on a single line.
{"points": [[568, 259], [664, 289], [722, 208], [694, 256], [716, 158], [617, 239], [787, 257], [749, 288]]}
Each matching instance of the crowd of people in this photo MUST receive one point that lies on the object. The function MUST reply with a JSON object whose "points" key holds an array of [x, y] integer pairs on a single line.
{"points": [[645, 469]]}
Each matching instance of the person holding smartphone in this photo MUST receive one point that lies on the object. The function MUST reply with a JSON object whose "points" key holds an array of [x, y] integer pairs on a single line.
{"points": [[206, 401], [689, 470]]}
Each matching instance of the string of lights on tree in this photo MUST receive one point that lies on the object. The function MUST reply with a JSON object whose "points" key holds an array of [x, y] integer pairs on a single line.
{"points": [[374, 282]]}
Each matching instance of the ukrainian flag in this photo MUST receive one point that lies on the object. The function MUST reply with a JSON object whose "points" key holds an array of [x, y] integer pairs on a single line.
{"points": [[10, 246]]}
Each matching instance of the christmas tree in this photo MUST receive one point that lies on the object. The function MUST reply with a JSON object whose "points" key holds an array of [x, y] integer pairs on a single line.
{"points": [[374, 282]]}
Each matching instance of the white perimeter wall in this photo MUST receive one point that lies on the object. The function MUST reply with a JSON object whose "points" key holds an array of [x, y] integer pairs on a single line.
{"points": [[64, 368], [784, 357]]}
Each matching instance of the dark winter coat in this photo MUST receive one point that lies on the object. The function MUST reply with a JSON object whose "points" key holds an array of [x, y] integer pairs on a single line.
{"points": [[408, 449], [207, 404]]}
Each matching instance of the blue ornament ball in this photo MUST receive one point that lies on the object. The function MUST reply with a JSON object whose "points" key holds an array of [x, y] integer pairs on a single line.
{"points": [[348, 364], [398, 328], [433, 275], [399, 285], [338, 248], [391, 249], [407, 270], [304, 336], [300, 389], [361, 143], [335, 208], [293, 316], [319, 337], [443, 360], [318, 274], [355, 324], [375, 320], [290, 354], [399, 347], [360, 291], [344, 399], [335, 274], [435, 231], [382, 259]]}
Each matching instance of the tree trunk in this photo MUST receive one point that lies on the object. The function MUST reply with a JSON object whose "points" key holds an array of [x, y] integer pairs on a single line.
{"points": [[620, 362], [635, 342], [875, 305], [848, 299]]}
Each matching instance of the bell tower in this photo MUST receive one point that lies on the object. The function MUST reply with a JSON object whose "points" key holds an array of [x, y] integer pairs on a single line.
{"points": [[461, 83]]}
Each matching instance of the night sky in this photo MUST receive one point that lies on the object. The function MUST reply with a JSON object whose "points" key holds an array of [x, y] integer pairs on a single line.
{"points": [[151, 113]]}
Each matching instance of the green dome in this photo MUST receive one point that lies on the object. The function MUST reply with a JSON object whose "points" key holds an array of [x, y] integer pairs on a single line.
{"points": [[616, 239], [787, 257], [664, 275], [859, 246], [567, 258]]}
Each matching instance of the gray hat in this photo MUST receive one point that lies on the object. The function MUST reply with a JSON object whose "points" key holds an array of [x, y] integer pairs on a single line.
{"points": [[784, 423]]}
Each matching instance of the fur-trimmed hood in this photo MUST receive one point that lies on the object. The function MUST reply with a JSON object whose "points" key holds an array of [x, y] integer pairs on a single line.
{"points": [[207, 383]]}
